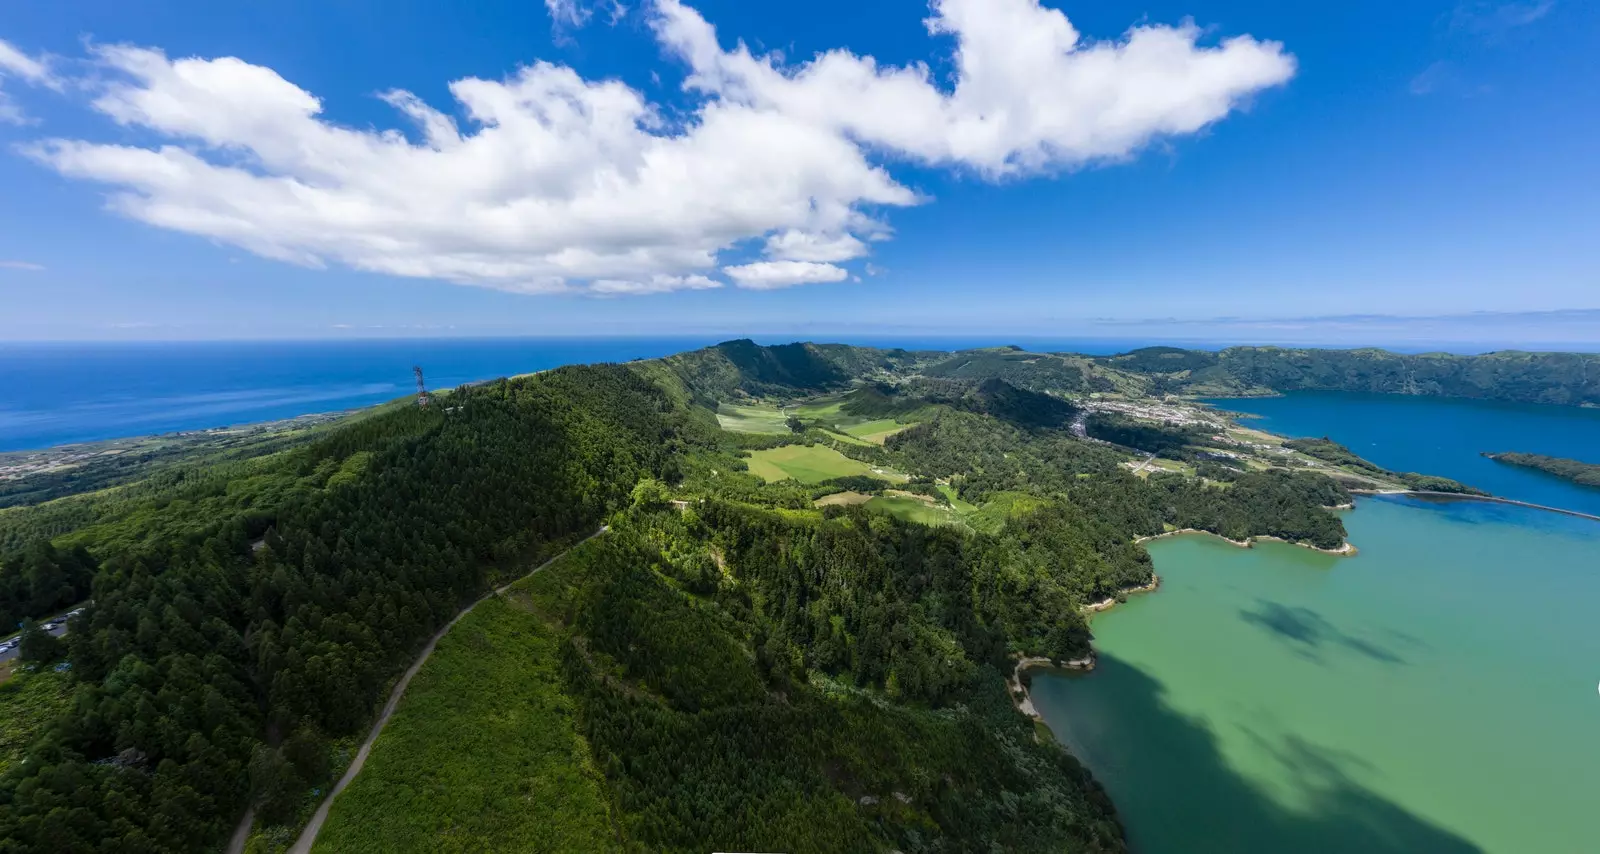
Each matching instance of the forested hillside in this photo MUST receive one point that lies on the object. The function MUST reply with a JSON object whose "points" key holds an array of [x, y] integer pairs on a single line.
{"points": [[1556, 378], [210, 673], [747, 669]]}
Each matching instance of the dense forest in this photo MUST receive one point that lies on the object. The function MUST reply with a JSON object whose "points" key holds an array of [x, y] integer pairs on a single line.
{"points": [[748, 670], [1554, 378], [1577, 471]]}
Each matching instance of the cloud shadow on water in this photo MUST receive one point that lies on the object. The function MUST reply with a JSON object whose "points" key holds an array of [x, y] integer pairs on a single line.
{"points": [[1309, 633], [1178, 795]]}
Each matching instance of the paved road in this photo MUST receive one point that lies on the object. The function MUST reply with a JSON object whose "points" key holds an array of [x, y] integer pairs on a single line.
{"points": [[16, 649], [308, 837], [1147, 461]]}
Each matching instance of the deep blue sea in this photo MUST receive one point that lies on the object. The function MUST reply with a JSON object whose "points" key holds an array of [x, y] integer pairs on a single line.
{"points": [[1445, 437], [56, 393]]}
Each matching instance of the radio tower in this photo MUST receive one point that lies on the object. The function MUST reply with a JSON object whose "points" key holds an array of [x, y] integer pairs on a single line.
{"points": [[422, 390]]}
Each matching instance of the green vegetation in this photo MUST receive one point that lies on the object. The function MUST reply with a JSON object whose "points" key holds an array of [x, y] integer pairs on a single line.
{"points": [[518, 778], [29, 702], [807, 464], [752, 418], [1164, 440], [1555, 378], [875, 431], [1577, 471], [1330, 451], [913, 509], [731, 667], [208, 673], [41, 581]]}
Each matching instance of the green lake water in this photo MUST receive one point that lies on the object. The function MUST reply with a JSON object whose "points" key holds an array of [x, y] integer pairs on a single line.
{"points": [[1439, 692]]}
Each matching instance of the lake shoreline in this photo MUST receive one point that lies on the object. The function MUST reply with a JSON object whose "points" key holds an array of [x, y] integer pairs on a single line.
{"points": [[1346, 550], [1019, 691]]}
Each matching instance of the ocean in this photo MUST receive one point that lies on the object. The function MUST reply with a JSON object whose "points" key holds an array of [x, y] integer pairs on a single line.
{"points": [[57, 393]]}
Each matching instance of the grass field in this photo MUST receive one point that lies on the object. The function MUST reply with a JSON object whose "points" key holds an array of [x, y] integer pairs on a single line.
{"points": [[961, 506], [481, 755], [876, 431], [751, 418], [809, 465], [914, 510], [842, 498], [826, 409], [848, 439], [28, 703]]}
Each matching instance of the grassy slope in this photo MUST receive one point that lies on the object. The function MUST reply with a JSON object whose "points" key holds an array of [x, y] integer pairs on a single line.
{"points": [[28, 703], [913, 510], [807, 465], [481, 755], [748, 418], [877, 430]]}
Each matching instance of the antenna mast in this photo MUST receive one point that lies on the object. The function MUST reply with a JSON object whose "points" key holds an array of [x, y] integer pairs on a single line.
{"points": [[422, 390]]}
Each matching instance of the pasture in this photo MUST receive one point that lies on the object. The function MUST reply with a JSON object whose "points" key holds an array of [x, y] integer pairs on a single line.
{"points": [[914, 508], [752, 418], [812, 464], [875, 431]]}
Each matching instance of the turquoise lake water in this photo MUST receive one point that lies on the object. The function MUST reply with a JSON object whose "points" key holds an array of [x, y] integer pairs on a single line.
{"points": [[1438, 692], [1444, 437]]}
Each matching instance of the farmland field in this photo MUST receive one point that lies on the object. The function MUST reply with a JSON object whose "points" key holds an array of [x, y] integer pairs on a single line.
{"points": [[844, 498], [751, 418], [481, 754], [914, 510], [808, 464], [876, 431]]}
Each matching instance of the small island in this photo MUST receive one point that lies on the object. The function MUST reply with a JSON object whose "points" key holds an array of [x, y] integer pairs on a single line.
{"points": [[1577, 471]]}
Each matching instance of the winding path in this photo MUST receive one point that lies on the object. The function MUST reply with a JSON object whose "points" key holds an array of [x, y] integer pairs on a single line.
{"points": [[308, 836]]}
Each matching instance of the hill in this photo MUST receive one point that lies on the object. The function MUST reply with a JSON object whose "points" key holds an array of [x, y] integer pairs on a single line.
{"points": [[740, 668]]}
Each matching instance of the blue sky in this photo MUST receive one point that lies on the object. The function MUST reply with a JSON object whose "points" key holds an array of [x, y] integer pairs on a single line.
{"points": [[1280, 172]]}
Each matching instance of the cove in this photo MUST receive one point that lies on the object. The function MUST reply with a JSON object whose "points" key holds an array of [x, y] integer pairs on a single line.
{"points": [[1435, 693]]}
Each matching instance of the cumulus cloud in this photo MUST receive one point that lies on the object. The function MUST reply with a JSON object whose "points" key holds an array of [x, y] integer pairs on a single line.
{"points": [[1031, 94], [546, 182], [32, 70], [771, 275]]}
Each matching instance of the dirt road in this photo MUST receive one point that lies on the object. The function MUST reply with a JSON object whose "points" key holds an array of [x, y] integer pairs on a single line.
{"points": [[308, 837]]}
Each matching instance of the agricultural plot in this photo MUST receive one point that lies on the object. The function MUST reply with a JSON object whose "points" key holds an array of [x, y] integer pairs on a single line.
{"points": [[877, 430], [912, 508], [842, 498], [812, 464], [752, 418]]}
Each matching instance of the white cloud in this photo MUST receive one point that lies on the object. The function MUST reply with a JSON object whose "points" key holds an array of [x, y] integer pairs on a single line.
{"points": [[545, 182], [770, 275], [31, 70], [1491, 20], [568, 12], [657, 284], [795, 245], [21, 265], [1030, 93]]}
